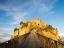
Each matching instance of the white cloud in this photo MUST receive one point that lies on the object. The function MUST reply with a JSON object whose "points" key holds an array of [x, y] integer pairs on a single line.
{"points": [[44, 5], [1, 32], [17, 12], [7, 30], [62, 36], [45, 8], [17, 16], [4, 36], [3, 39]]}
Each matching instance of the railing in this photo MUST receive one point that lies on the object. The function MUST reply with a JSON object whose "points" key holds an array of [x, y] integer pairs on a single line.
{"points": [[49, 43], [14, 43]]}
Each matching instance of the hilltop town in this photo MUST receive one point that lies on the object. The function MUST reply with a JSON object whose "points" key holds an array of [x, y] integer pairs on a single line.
{"points": [[37, 26]]}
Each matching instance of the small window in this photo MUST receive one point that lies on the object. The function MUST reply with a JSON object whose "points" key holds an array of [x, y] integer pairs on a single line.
{"points": [[38, 24]]}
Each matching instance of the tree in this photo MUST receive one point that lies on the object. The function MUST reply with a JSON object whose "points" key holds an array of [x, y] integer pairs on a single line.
{"points": [[15, 29], [21, 22]]}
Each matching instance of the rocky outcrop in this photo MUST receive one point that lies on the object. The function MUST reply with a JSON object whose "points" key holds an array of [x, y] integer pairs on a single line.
{"points": [[37, 26]]}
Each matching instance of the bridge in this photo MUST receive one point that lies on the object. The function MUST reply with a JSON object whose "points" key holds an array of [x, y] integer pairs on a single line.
{"points": [[31, 40]]}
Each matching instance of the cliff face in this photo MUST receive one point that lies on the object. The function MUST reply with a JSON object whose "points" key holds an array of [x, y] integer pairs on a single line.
{"points": [[39, 27]]}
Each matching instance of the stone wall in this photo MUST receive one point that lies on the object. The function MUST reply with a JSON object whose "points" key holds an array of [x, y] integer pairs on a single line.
{"points": [[49, 43], [14, 43]]}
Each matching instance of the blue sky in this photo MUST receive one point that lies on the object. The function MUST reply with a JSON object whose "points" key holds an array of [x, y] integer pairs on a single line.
{"points": [[12, 12]]}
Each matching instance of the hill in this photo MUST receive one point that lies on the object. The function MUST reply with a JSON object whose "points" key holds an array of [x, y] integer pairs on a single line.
{"points": [[37, 26]]}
